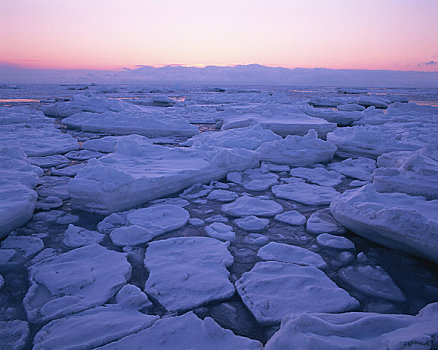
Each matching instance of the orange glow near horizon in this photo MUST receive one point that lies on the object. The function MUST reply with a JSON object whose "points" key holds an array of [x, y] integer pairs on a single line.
{"points": [[110, 34]]}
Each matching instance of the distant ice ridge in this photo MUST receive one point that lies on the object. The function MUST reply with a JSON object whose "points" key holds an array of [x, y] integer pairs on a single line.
{"points": [[17, 181], [135, 173], [357, 331]]}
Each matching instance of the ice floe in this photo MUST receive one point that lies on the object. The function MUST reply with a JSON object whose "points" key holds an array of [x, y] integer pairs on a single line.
{"points": [[372, 281], [305, 193], [14, 334], [281, 252], [220, 231], [17, 197], [327, 240], [359, 168], [322, 221], [357, 331], [252, 223], [222, 195], [319, 176], [187, 272], [395, 220], [76, 236], [297, 150], [247, 206], [253, 179], [74, 281], [291, 217], [271, 290], [137, 174]]}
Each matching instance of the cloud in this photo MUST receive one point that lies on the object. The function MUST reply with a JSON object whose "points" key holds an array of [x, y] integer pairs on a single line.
{"points": [[431, 63]]}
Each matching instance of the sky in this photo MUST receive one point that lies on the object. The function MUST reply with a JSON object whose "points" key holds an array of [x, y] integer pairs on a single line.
{"points": [[112, 34]]}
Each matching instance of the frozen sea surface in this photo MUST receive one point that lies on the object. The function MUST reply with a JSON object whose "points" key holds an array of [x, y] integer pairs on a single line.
{"points": [[250, 235]]}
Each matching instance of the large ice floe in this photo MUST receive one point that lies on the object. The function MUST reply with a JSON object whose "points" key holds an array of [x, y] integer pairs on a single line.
{"points": [[297, 123], [273, 289], [17, 197], [187, 272], [297, 150], [83, 103], [136, 122], [118, 328], [135, 174], [414, 173], [74, 281], [395, 220], [358, 331]]}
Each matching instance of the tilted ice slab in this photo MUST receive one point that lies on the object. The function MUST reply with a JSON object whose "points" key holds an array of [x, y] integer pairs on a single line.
{"points": [[82, 103], [297, 150], [395, 220], [371, 281], [359, 168], [375, 101], [246, 206], [414, 173], [17, 197], [22, 115], [322, 221], [274, 251], [358, 331], [138, 122], [109, 144], [302, 192], [350, 107], [271, 290], [250, 137], [76, 236], [187, 272], [185, 332], [37, 139], [74, 281], [374, 140], [91, 328], [283, 125], [137, 174], [253, 179], [341, 118], [319, 176]]}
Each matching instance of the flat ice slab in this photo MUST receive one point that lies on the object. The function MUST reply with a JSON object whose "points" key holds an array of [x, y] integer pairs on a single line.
{"points": [[358, 168], [395, 220], [297, 150], [274, 251], [319, 175], [283, 125], [187, 272], [136, 174], [17, 198], [302, 192], [357, 331], [185, 332], [246, 206], [253, 179], [74, 281], [138, 122], [271, 290]]}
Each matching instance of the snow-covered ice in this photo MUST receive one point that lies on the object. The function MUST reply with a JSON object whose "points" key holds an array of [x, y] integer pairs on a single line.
{"points": [[247, 206], [137, 174], [395, 220], [14, 334], [220, 231], [291, 217], [322, 221], [187, 272], [327, 240], [357, 331], [76, 236], [297, 150], [319, 176], [290, 254], [271, 290], [358, 168], [305, 193], [74, 281], [253, 179], [252, 223], [372, 281]]}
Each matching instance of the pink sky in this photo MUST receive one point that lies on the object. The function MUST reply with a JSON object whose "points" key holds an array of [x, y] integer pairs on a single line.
{"points": [[109, 34]]}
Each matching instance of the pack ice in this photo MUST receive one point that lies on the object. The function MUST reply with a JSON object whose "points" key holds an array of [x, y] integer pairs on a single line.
{"points": [[17, 197], [135, 174]]}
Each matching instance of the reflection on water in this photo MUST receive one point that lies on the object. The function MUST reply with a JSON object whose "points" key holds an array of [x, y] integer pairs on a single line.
{"points": [[17, 100]]}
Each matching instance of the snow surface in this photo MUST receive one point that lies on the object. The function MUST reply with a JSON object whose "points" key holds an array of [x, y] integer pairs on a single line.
{"points": [[74, 281], [253, 179], [137, 174], [246, 206], [395, 220], [319, 176], [180, 271], [13, 334], [271, 290], [357, 331], [297, 150]]}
